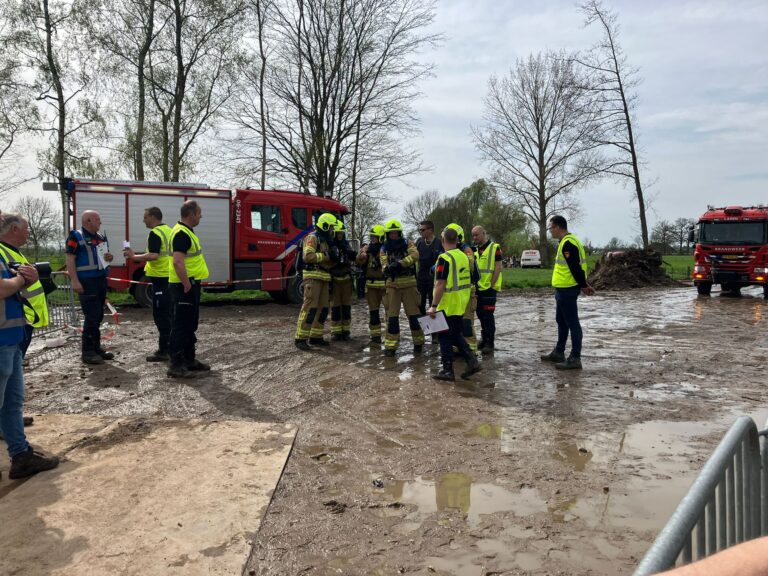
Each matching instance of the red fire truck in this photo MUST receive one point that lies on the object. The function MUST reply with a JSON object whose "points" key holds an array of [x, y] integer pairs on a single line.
{"points": [[731, 249], [249, 237]]}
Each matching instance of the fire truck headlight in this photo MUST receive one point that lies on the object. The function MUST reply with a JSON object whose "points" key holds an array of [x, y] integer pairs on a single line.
{"points": [[699, 270]]}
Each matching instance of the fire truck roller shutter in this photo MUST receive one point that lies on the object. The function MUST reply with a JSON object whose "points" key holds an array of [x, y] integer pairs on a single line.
{"points": [[111, 208], [214, 234], [137, 203]]}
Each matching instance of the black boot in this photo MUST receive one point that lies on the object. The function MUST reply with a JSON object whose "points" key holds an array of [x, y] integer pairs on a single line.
{"points": [[319, 342], [158, 356], [31, 462], [103, 353], [570, 363], [336, 337], [473, 367], [445, 374], [553, 356], [177, 369], [92, 357], [302, 345], [196, 366], [389, 352]]}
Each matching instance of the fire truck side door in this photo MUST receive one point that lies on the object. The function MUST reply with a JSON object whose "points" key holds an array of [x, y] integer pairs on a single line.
{"points": [[263, 236]]}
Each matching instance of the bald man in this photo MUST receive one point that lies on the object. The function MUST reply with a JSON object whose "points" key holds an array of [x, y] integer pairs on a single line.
{"points": [[88, 275]]}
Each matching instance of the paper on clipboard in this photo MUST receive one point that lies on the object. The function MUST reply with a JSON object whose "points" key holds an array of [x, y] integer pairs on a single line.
{"points": [[102, 249], [433, 325]]}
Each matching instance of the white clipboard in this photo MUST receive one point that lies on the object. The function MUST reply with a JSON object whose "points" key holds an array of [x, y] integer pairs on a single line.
{"points": [[102, 249], [434, 325]]}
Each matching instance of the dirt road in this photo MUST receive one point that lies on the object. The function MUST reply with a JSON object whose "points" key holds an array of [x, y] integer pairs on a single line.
{"points": [[523, 470]]}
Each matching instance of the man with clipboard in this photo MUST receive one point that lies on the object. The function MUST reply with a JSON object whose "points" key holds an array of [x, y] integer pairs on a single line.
{"points": [[451, 296]]}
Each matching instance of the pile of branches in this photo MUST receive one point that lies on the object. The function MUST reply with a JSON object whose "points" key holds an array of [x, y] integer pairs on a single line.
{"points": [[630, 269]]}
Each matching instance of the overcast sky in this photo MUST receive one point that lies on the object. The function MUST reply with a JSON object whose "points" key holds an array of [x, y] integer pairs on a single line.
{"points": [[702, 115]]}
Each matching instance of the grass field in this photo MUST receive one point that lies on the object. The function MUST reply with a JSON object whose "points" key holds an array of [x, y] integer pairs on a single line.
{"points": [[678, 267]]}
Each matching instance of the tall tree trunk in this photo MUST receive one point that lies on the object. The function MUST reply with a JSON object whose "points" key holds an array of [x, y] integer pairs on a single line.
{"points": [[61, 131], [141, 114], [262, 111], [178, 95]]}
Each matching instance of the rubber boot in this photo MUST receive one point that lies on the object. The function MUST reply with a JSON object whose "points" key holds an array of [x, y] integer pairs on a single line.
{"points": [[445, 374], [473, 367]]}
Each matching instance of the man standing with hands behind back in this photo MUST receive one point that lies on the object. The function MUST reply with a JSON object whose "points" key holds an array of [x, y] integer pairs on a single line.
{"points": [[157, 265], [569, 279], [88, 274], [188, 269], [429, 247]]}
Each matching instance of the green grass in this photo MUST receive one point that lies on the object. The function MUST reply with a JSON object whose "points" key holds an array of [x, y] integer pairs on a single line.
{"points": [[677, 267], [239, 296]]}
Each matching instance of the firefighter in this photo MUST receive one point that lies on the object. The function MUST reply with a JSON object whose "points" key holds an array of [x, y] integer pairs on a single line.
{"points": [[14, 233], [399, 259], [157, 263], [186, 271], [453, 286], [341, 284], [569, 279], [375, 284], [488, 258], [88, 274], [317, 263], [469, 314]]}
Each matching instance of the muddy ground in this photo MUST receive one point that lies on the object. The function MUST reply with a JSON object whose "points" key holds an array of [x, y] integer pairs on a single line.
{"points": [[523, 470]]}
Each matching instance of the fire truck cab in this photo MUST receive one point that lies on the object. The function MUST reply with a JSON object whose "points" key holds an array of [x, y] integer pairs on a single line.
{"points": [[731, 249], [250, 237]]}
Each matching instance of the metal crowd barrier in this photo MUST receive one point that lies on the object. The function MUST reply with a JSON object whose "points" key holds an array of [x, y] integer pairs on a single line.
{"points": [[63, 311], [726, 505]]}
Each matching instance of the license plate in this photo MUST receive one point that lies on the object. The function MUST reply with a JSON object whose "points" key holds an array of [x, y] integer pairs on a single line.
{"points": [[731, 257]]}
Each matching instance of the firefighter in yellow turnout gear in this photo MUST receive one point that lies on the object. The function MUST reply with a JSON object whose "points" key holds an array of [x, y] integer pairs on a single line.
{"points": [[469, 314], [375, 283], [399, 259], [316, 255], [341, 284]]}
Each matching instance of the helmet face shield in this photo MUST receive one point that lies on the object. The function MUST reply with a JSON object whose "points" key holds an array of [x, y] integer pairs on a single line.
{"points": [[393, 226], [327, 222]]}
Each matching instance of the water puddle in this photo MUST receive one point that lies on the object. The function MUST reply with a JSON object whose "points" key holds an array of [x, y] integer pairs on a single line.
{"points": [[457, 491]]}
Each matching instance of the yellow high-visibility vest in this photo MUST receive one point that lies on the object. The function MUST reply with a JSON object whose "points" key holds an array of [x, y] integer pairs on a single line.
{"points": [[194, 262], [160, 268], [37, 315], [561, 274], [486, 264], [457, 286]]}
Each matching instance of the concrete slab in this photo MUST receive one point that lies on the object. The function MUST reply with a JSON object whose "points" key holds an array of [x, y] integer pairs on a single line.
{"points": [[145, 496]]}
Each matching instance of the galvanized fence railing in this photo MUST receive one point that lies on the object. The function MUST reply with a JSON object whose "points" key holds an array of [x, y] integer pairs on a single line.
{"points": [[726, 505], [63, 312]]}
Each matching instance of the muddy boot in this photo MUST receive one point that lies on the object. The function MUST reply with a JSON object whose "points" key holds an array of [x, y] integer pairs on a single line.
{"points": [[473, 367], [319, 342], [570, 363], [177, 368], [389, 352], [553, 356], [336, 337], [158, 356], [445, 374], [92, 357], [31, 462], [302, 345], [196, 366], [417, 348], [376, 339], [104, 354], [346, 336]]}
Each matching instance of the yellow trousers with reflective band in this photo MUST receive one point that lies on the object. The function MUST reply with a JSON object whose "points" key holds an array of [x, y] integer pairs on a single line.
{"points": [[410, 300], [469, 321], [341, 305], [375, 296], [314, 310]]}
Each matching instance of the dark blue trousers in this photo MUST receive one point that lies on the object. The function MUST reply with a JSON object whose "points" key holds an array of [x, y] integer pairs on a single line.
{"points": [[567, 317]]}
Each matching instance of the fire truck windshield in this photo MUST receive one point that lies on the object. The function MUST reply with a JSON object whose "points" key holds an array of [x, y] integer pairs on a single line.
{"points": [[733, 233]]}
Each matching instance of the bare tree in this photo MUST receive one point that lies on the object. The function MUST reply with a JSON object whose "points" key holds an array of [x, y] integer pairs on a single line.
{"points": [[43, 219], [420, 208], [681, 226], [191, 73], [663, 237], [539, 135], [613, 82], [369, 213]]}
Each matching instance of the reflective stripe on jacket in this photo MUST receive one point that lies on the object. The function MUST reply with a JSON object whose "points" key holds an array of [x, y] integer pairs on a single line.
{"points": [[561, 274], [160, 268], [87, 257], [194, 262], [12, 319], [37, 315], [458, 284], [486, 264]]}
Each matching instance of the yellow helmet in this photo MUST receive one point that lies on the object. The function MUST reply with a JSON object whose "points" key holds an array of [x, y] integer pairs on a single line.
{"points": [[340, 226], [459, 230], [326, 222], [379, 232], [393, 226]]}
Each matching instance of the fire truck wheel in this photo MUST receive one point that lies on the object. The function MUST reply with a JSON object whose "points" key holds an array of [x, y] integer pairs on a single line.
{"points": [[143, 293], [765, 290], [295, 291], [704, 288]]}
